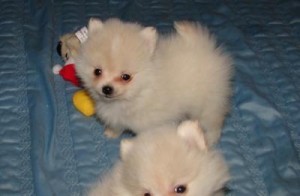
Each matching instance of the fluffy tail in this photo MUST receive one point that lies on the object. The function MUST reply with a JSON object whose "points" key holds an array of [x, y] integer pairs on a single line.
{"points": [[192, 31]]}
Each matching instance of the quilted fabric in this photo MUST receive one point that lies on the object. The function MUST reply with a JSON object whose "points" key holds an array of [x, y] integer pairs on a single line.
{"points": [[48, 148]]}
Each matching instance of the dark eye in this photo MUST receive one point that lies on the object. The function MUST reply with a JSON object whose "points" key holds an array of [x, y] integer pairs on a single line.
{"points": [[180, 189], [125, 77], [97, 72], [147, 194]]}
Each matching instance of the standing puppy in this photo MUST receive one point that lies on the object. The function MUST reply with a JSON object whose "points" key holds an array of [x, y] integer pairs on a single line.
{"points": [[140, 80]]}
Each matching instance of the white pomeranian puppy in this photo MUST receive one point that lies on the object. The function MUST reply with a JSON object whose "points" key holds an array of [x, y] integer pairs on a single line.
{"points": [[140, 80], [166, 162]]}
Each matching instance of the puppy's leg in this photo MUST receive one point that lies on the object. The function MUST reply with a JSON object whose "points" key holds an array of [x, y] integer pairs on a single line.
{"points": [[112, 133], [211, 118], [212, 121]]}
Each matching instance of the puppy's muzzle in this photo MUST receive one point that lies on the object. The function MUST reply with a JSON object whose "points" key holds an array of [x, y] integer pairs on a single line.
{"points": [[107, 90]]}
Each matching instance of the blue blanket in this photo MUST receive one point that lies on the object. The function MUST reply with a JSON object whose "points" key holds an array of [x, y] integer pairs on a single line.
{"points": [[48, 148]]}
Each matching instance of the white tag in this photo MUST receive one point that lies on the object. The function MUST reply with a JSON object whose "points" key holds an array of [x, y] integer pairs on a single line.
{"points": [[82, 34]]}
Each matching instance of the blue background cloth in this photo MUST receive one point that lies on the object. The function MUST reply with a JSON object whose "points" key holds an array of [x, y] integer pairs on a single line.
{"points": [[49, 148]]}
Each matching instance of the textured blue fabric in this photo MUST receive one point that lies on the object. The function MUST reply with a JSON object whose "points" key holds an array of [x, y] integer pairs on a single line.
{"points": [[48, 148]]}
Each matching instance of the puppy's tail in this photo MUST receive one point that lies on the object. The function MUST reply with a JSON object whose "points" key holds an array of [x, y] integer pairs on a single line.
{"points": [[193, 31]]}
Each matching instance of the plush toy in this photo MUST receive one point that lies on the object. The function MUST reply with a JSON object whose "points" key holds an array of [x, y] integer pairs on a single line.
{"points": [[67, 72], [83, 102], [67, 48]]}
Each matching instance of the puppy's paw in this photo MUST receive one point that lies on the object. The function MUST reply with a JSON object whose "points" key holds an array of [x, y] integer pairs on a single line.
{"points": [[109, 133]]}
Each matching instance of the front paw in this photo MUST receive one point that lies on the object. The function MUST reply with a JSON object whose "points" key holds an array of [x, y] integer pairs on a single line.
{"points": [[109, 133]]}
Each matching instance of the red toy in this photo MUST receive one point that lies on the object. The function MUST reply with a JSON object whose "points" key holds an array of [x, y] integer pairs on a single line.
{"points": [[68, 72]]}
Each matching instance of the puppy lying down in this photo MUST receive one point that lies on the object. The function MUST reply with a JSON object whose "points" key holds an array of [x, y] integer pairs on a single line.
{"points": [[164, 162]]}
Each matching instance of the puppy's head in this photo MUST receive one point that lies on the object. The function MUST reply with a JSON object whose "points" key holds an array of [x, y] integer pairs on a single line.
{"points": [[172, 161], [115, 57]]}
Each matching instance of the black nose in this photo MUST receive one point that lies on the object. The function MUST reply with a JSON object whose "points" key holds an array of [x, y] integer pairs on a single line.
{"points": [[107, 90]]}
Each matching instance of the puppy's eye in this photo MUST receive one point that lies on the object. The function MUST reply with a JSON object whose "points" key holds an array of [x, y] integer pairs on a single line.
{"points": [[97, 72], [147, 194], [180, 189], [125, 77]]}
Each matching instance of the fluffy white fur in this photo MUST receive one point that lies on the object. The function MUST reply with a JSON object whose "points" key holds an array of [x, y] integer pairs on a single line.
{"points": [[157, 163], [175, 77]]}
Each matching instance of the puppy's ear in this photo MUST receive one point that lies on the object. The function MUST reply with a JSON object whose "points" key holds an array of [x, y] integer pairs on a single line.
{"points": [[94, 25], [126, 146], [150, 36], [192, 134]]}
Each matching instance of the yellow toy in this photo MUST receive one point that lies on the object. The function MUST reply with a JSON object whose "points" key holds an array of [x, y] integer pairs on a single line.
{"points": [[67, 48], [83, 102]]}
